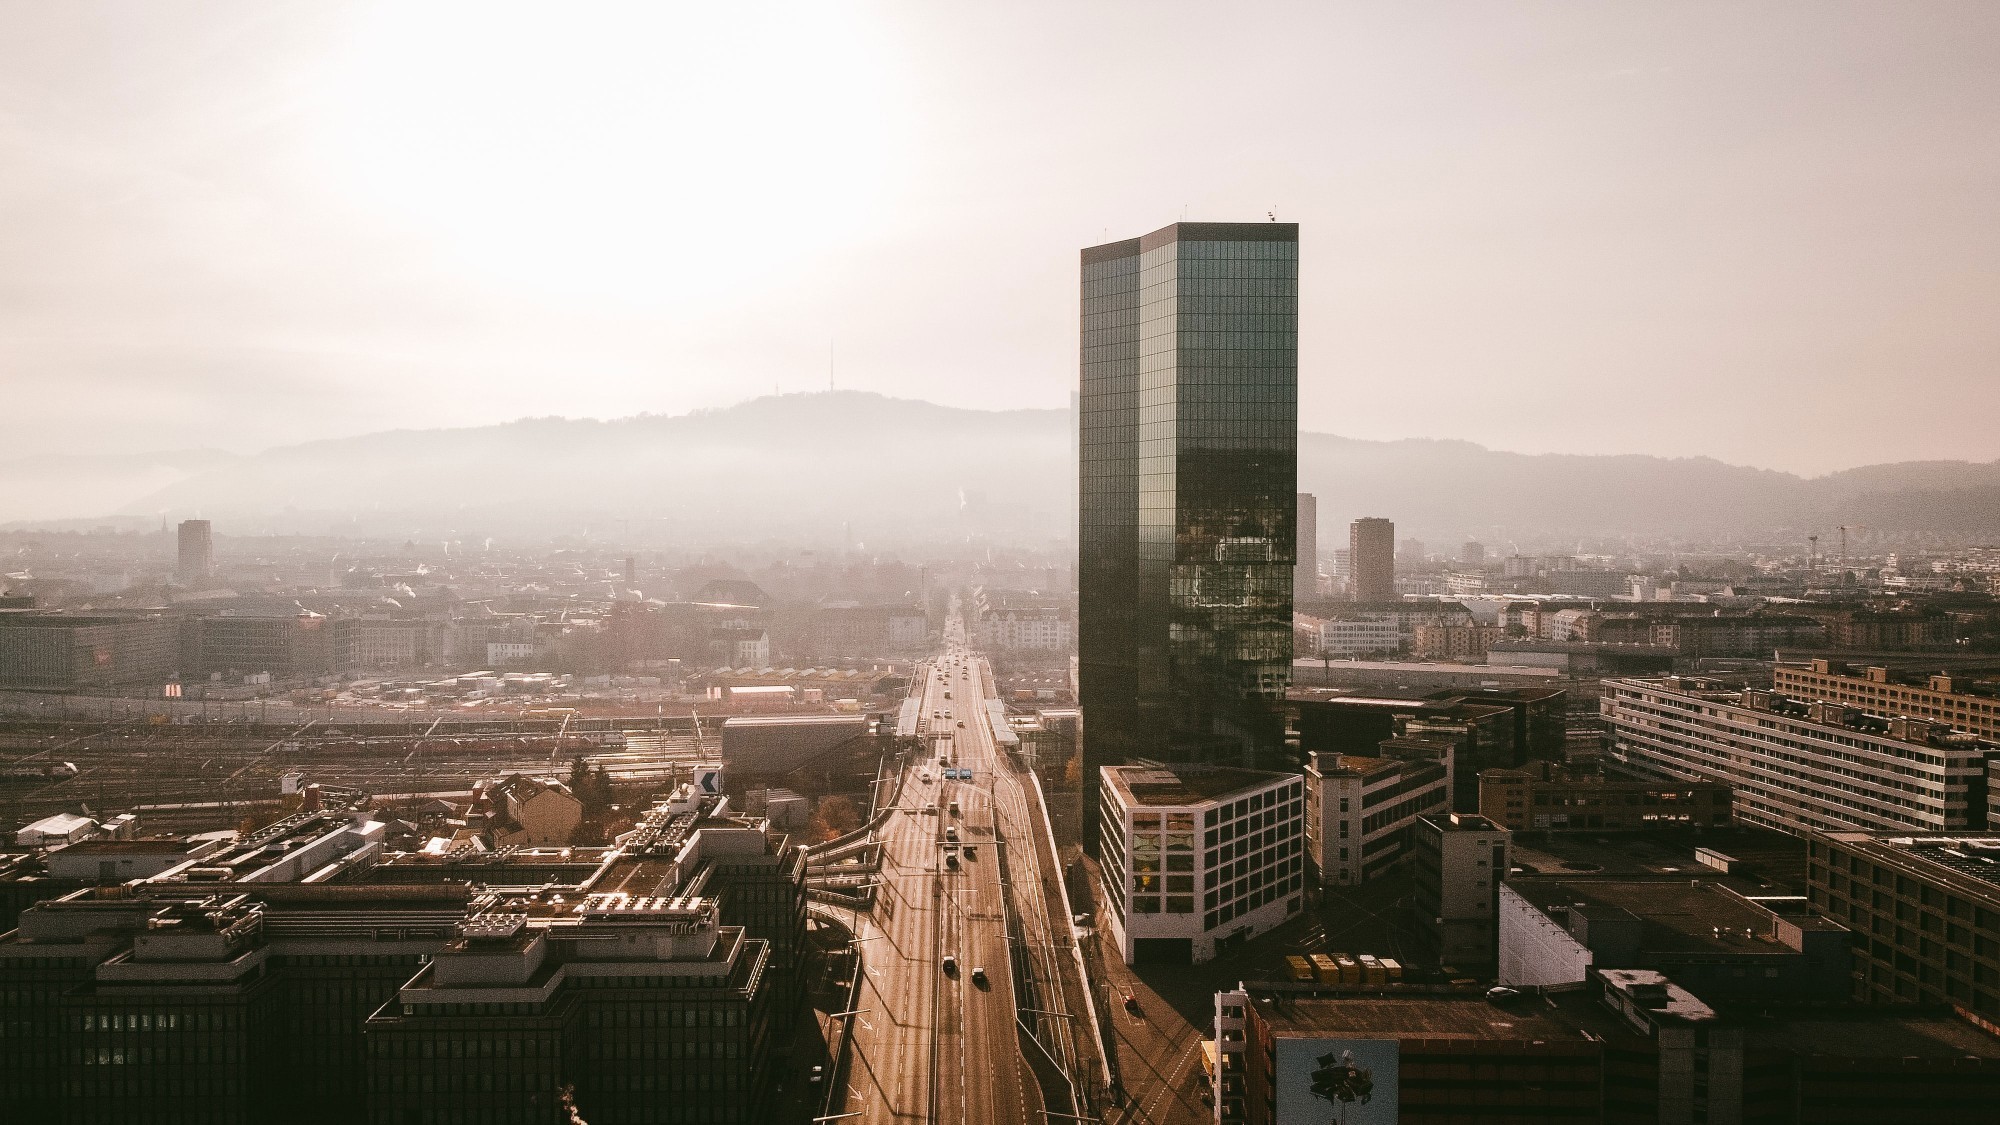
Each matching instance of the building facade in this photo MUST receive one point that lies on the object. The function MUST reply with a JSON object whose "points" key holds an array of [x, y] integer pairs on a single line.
{"points": [[1305, 578], [196, 559], [1799, 767], [1457, 863], [65, 652], [1941, 697], [1371, 545], [1188, 462], [1543, 797], [1925, 910], [1359, 812], [1360, 636], [1195, 858]]}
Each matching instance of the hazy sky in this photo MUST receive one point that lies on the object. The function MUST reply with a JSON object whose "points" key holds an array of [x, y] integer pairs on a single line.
{"points": [[1764, 232]]}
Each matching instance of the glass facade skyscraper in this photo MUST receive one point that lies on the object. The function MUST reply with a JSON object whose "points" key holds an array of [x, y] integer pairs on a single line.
{"points": [[1188, 459]]}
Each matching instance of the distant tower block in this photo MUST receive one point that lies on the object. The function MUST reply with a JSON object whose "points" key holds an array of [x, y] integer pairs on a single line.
{"points": [[197, 557], [1372, 542], [1305, 575]]}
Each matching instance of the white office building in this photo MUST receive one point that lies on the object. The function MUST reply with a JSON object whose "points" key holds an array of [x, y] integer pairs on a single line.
{"points": [[1374, 633], [1197, 858]]}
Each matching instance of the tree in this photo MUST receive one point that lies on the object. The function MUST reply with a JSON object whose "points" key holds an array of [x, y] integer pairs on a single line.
{"points": [[836, 816]]}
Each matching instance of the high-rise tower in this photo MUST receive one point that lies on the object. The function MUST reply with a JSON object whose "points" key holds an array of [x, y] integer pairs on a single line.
{"points": [[1305, 572], [197, 552], [1188, 458], [1371, 543]]}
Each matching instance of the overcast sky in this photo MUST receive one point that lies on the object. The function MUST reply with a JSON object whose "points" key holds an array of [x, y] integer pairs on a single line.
{"points": [[1768, 233]]}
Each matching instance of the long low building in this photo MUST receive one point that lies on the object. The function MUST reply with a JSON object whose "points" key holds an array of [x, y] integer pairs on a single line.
{"points": [[1800, 767], [1631, 1047]]}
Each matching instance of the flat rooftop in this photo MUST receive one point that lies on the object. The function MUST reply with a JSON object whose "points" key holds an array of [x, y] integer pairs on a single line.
{"points": [[129, 847], [1766, 861], [1969, 860], [1679, 915], [1433, 1017], [1169, 786]]}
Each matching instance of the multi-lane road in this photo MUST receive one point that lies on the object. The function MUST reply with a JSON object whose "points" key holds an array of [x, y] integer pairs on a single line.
{"points": [[937, 1040]]}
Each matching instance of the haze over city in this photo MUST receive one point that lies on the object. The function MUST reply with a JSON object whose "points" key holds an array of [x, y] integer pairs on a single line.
{"points": [[1543, 227], [996, 564]]}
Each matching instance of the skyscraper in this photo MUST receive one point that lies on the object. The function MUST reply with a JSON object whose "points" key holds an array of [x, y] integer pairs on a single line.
{"points": [[197, 557], [1188, 458], [1372, 542], [1305, 573]]}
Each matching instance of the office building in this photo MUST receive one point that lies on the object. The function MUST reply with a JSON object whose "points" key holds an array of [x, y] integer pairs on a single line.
{"points": [[1359, 811], [649, 1007], [196, 562], [1188, 490], [1925, 909], [1797, 766], [1371, 545], [285, 647], [303, 974], [1457, 862], [1197, 858], [77, 652], [1962, 702], [1305, 579], [1541, 796], [1359, 636]]}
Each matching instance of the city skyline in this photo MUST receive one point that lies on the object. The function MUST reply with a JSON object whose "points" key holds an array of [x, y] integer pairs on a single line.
{"points": [[230, 227]]}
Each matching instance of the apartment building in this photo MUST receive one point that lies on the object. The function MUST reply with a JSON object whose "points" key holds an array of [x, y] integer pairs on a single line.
{"points": [[1796, 766], [1965, 704]]}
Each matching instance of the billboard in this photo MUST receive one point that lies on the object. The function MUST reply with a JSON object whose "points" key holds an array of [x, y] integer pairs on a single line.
{"points": [[1337, 1081]]}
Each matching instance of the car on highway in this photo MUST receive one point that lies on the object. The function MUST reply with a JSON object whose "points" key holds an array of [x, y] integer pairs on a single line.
{"points": [[817, 1076], [954, 808], [971, 851], [961, 724], [951, 861], [951, 832], [979, 976], [949, 964]]}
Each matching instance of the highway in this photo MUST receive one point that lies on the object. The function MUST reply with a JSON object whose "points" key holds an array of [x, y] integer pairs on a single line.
{"points": [[931, 1045]]}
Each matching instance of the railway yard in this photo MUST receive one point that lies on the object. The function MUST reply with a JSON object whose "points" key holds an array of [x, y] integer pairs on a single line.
{"points": [[201, 776]]}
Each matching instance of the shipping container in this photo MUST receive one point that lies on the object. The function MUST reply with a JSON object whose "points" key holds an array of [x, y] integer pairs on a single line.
{"points": [[1326, 968], [1300, 969]]}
